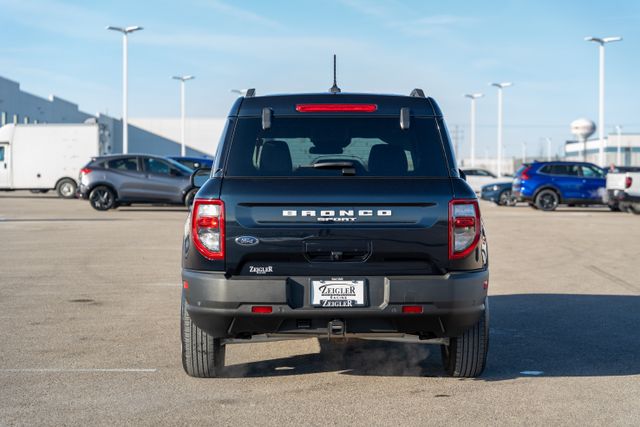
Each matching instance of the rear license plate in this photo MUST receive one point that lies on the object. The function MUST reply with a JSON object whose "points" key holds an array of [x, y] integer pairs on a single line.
{"points": [[337, 293]]}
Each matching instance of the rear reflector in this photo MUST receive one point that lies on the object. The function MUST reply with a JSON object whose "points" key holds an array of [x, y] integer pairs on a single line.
{"points": [[412, 309], [329, 108], [262, 309], [185, 284]]}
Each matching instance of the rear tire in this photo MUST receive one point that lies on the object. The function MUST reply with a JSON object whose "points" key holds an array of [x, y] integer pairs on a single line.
{"points": [[202, 354], [466, 355], [66, 188], [635, 208], [102, 198], [547, 200], [505, 198]]}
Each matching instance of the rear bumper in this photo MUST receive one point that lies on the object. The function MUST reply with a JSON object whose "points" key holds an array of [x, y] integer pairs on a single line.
{"points": [[616, 196], [491, 195], [450, 304], [82, 192]]}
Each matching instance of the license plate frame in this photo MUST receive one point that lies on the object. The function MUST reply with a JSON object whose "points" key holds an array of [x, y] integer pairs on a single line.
{"points": [[338, 292]]}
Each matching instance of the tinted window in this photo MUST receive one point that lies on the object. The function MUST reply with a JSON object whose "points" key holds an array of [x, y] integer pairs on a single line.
{"points": [[179, 169], [156, 166], [566, 170], [125, 164], [330, 146], [591, 172], [1, 154]]}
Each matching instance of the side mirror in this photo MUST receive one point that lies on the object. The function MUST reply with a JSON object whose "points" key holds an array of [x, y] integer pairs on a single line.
{"points": [[462, 174], [200, 176]]}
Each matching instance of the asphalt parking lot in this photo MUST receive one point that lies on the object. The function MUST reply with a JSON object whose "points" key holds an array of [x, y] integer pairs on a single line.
{"points": [[89, 331]]}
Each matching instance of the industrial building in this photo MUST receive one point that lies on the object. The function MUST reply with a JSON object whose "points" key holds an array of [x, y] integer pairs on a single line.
{"points": [[153, 136], [629, 144]]}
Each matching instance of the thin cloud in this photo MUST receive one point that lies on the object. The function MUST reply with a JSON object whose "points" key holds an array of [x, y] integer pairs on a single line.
{"points": [[401, 19], [370, 8], [241, 14], [251, 45]]}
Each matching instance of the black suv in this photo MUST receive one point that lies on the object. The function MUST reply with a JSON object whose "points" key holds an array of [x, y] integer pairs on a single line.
{"points": [[335, 215]]}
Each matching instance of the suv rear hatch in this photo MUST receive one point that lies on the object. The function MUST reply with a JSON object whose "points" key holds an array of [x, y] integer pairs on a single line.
{"points": [[324, 192]]}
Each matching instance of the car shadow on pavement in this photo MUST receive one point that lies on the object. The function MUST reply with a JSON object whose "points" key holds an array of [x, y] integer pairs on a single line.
{"points": [[553, 335]]}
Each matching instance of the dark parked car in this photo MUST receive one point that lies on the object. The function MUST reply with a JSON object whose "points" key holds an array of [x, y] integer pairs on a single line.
{"points": [[193, 163], [545, 185], [335, 216], [499, 193], [110, 181]]}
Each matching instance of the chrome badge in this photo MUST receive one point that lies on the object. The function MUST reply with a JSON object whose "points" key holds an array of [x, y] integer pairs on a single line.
{"points": [[247, 240]]}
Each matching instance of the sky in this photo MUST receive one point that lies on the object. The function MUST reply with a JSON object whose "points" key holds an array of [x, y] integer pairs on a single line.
{"points": [[447, 48]]}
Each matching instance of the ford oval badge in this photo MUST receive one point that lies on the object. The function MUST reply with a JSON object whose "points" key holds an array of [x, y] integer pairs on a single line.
{"points": [[247, 240]]}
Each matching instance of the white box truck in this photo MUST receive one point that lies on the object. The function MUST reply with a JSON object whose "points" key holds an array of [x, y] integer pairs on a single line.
{"points": [[43, 157]]}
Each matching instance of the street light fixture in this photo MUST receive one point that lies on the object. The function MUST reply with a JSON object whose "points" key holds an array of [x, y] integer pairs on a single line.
{"points": [[182, 79], [601, 42], [500, 87], [125, 84], [473, 97], [619, 149]]}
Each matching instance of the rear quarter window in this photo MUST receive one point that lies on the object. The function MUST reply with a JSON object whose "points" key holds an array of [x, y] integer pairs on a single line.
{"points": [[318, 146]]}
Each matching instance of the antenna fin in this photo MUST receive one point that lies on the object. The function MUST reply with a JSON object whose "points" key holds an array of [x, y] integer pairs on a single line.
{"points": [[334, 88]]}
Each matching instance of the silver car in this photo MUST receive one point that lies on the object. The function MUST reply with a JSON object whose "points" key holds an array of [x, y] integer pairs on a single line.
{"points": [[110, 181]]}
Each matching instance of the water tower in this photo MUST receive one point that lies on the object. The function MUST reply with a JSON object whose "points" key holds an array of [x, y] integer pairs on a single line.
{"points": [[583, 129]]}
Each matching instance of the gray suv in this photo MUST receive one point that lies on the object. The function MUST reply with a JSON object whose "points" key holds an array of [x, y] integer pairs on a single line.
{"points": [[110, 181]]}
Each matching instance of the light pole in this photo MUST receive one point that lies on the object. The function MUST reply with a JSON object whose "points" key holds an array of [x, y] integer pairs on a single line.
{"points": [[524, 152], [183, 148], [500, 87], [473, 97], [548, 148], [601, 42], [242, 92], [619, 150], [125, 84]]}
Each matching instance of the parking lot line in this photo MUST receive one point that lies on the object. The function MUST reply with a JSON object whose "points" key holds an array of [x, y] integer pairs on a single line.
{"points": [[80, 370]]}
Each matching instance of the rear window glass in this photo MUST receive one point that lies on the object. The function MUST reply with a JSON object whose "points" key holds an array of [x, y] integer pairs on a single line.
{"points": [[568, 170], [329, 146], [126, 164]]}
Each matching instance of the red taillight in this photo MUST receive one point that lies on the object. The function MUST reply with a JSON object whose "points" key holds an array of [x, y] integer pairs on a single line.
{"points": [[628, 182], [464, 227], [262, 309], [525, 173], [207, 228], [330, 108], [185, 284], [412, 309], [85, 171]]}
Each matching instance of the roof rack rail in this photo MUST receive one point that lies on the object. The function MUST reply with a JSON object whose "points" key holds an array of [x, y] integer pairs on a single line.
{"points": [[418, 93], [250, 93]]}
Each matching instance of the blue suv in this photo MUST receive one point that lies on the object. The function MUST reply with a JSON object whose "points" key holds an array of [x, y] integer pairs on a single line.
{"points": [[545, 185]]}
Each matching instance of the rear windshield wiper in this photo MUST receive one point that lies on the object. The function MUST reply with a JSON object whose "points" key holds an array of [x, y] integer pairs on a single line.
{"points": [[348, 168]]}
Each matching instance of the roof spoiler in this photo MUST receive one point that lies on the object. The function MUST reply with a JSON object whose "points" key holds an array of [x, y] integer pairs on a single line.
{"points": [[418, 93]]}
